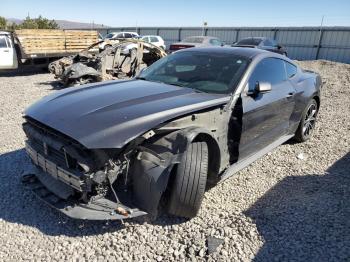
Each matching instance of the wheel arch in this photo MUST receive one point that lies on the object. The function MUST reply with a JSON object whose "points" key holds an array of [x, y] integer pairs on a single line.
{"points": [[151, 180], [214, 156], [318, 101]]}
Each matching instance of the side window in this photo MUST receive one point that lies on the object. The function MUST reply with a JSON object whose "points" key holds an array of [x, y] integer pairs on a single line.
{"points": [[291, 70], [3, 42], [127, 35], [268, 70], [154, 39], [120, 35], [146, 39]]}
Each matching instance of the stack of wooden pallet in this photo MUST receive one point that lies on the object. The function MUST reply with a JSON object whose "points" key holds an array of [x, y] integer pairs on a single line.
{"points": [[47, 41]]}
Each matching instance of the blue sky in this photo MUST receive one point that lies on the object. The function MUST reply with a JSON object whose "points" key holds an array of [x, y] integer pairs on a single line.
{"points": [[185, 12]]}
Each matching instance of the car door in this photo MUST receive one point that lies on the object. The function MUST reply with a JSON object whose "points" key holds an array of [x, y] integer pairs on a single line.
{"points": [[266, 116], [8, 57]]}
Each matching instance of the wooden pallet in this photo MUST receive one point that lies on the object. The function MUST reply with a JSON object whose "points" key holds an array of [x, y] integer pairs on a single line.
{"points": [[46, 41]]}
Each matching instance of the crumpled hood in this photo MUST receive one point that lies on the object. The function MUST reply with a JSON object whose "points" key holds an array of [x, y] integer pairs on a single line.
{"points": [[111, 114]]}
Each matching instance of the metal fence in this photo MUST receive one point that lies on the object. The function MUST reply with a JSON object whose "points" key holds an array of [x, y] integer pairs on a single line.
{"points": [[302, 43]]}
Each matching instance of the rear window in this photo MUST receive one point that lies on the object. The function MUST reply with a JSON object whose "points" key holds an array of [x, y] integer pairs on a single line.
{"points": [[193, 40], [215, 42], [268, 42], [249, 41]]}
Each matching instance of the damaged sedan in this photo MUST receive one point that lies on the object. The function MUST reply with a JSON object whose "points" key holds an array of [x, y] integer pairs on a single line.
{"points": [[123, 60], [156, 143]]}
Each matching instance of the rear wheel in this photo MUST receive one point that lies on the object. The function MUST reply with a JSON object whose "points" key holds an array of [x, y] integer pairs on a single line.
{"points": [[190, 180], [307, 123]]}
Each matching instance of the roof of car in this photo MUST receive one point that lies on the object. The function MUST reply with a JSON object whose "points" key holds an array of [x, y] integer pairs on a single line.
{"points": [[202, 36], [4, 33], [124, 32], [241, 51], [150, 36], [255, 37]]}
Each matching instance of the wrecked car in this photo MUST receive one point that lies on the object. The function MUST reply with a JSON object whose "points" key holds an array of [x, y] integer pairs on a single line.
{"points": [[121, 61], [156, 143]]}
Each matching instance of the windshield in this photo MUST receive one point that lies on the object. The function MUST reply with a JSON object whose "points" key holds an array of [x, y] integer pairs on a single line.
{"points": [[193, 39], [207, 72], [250, 41]]}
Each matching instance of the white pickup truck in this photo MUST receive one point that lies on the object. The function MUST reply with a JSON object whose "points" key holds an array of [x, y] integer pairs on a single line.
{"points": [[8, 55], [38, 47]]}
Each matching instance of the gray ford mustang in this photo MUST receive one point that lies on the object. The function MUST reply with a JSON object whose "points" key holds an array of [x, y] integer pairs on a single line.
{"points": [[122, 149]]}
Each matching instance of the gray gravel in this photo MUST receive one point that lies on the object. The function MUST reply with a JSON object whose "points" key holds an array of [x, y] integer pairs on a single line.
{"points": [[293, 204]]}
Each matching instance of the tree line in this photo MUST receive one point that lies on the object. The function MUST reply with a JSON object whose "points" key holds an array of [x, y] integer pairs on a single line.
{"points": [[28, 23]]}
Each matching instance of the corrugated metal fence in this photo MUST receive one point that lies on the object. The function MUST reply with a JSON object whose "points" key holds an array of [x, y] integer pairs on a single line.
{"points": [[302, 43]]}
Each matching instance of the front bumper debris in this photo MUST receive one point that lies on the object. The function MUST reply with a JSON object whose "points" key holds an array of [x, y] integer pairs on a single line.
{"points": [[98, 209]]}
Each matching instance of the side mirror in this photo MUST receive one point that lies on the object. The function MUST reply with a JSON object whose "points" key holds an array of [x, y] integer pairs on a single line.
{"points": [[263, 87], [260, 87], [278, 46]]}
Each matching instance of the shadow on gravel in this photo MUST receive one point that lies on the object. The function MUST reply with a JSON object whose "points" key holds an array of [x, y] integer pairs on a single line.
{"points": [[56, 85], [18, 205], [23, 72], [306, 218]]}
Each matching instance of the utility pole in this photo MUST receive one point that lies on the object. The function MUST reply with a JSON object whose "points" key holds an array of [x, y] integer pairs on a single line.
{"points": [[203, 28], [319, 38]]}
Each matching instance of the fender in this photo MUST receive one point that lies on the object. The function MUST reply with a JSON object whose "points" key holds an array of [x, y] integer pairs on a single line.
{"points": [[153, 165]]}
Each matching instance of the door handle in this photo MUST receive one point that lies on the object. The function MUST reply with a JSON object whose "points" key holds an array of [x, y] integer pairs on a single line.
{"points": [[290, 94], [6, 51]]}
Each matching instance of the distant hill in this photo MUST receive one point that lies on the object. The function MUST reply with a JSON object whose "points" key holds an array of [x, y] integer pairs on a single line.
{"points": [[64, 24]]}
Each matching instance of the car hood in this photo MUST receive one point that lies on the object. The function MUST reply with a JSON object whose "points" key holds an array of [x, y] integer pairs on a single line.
{"points": [[111, 114]]}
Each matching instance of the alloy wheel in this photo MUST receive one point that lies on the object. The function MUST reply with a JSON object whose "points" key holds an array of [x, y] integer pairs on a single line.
{"points": [[310, 120]]}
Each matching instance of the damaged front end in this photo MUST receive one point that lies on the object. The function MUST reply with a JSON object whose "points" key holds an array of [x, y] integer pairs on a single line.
{"points": [[123, 60], [81, 183], [107, 184]]}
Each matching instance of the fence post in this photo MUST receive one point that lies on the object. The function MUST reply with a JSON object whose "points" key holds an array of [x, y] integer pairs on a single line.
{"points": [[319, 44], [275, 33], [179, 34], [158, 29], [237, 35]]}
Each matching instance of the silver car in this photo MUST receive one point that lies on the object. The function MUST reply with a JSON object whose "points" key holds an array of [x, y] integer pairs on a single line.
{"points": [[196, 41]]}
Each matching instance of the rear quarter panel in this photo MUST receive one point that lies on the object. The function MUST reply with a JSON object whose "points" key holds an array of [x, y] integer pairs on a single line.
{"points": [[307, 85]]}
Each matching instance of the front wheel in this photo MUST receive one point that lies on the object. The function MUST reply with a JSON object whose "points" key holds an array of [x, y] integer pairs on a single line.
{"points": [[307, 122], [187, 191]]}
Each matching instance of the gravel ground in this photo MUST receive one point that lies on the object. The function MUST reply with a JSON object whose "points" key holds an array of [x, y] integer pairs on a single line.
{"points": [[293, 204]]}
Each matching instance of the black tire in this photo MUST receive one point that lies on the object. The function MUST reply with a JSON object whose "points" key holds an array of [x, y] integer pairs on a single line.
{"points": [[188, 187], [307, 122]]}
